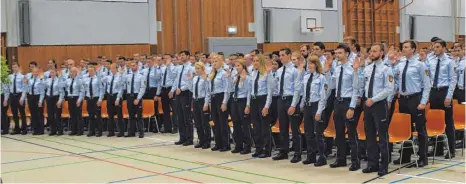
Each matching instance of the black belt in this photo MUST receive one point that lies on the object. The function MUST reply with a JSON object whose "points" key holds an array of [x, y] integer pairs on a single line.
{"points": [[73, 97], [217, 94], [310, 103], [341, 99], [239, 99], [16, 94], [286, 97], [198, 99], [260, 96], [166, 88], [440, 88], [411, 95], [33, 95]]}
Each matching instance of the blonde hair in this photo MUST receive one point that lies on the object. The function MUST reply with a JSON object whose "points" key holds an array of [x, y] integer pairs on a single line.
{"points": [[200, 65], [214, 70], [316, 61], [262, 68], [296, 54]]}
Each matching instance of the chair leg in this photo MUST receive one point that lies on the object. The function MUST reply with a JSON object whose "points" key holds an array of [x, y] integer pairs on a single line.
{"points": [[435, 151], [446, 143], [401, 156], [417, 157], [156, 124], [464, 141]]}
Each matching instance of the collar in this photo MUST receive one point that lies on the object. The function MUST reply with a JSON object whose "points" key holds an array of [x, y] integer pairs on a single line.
{"points": [[187, 63], [289, 65]]}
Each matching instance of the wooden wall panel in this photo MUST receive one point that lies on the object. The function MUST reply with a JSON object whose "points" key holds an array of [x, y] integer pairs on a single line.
{"points": [[195, 40], [41, 54], [182, 24], [166, 41], [294, 46]]}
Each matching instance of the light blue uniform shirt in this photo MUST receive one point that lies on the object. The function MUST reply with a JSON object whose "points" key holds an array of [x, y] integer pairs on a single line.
{"points": [[139, 86], [180, 82], [275, 90], [291, 75], [78, 88], [220, 85], [37, 85], [383, 84], [20, 86], [349, 88], [243, 87], [202, 87], [83, 73], [417, 78], [447, 75], [318, 91], [266, 84], [461, 66], [118, 84], [103, 72], [154, 76], [97, 87], [47, 89], [170, 71], [208, 68]]}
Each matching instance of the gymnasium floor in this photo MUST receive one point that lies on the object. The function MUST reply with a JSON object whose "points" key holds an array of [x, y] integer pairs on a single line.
{"points": [[65, 159]]}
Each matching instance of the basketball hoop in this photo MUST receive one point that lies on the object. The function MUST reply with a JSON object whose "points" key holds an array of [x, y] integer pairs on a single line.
{"points": [[315, 29]]}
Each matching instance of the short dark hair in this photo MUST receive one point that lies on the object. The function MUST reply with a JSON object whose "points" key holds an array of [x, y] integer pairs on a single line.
{"points": [[382, 47], [344, 47], [320, 44], [442, 43], [186, 52], [279, 62], [240, 54], [197, 52], [33, 63], [412, 44], [206, 55], [358, 47], [286, 50], [109, 61], [308, 47], [434, 39], [276, 53], [167, 54], [234, 55], [221, 53]]}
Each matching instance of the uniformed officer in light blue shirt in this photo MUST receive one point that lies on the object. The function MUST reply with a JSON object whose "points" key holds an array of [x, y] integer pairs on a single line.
{"points": [[53, 89], [287, 74], [76, 91], [413, 84], [314, 91], [379, 84], [94, 95], [4, 117], [37, 113], [444, 80], [152, 76], [167, 77], [114, 85], [460, 69], [135, 87], [17, 96]]}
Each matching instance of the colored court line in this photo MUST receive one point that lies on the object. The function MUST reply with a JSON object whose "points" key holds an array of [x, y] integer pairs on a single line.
{"points": [[180, 171], [428, 172], [106, 150], [107, 161], [147, 161], [427, 178], [187, 161], [58, 165]]}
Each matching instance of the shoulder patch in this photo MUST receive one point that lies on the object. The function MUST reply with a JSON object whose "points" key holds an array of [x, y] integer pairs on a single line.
{"points": [[427, 73], [390, 78]]}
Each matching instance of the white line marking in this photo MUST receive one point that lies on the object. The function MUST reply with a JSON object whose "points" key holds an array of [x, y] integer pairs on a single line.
{"points": [[427, 178]]}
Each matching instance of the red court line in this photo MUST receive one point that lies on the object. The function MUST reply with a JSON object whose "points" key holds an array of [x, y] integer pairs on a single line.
{"points": [[103, 160]]}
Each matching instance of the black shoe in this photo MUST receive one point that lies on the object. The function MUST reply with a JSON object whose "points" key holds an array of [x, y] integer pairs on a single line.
{"points": [[296, 158], [245, 151], [98, 134], [215, 148], [129, 135], [188, 143], [141, 135], [79, 134], [14, 132], [321, 162], [382, 172], [264, 155], [420, 163], [224, 149], [24, 132], [111, 134], [236, 150], [310, 159], [406, 159], [257, 153], [198, 145], [180, 142], [370, 169], [450, 156], [355, 166], [59, 133], [4, 133], [175, 130], [70, 134], [338, 163], [120, 135], [90, 134], [206, 146], [280, 156], [52, 133]]}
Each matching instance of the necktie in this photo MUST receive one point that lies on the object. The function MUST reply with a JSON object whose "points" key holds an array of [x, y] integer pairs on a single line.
{"points": [[256, 83], [148, 78], [165, 76], [111, 85], [181, 75], [196, 92], [90, 88], [51, 88], [33, 84], [437, 71], [282, 78], [237, 86], [14, 84], [213, 80], [403, 77], [132, 84], [308, 88], [340, 79], [71, 86], [371, 83]]}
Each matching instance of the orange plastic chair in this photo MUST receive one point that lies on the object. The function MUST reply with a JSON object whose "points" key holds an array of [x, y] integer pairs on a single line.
{"points": [[160, 107], [65, 113], [103, 109], [148, 112], [397, 106], [400, 132], [46, 114], [436, 127], [458, 117], [330, 130], [360, 129], [276, 127], [84, 109], [124, 106]]}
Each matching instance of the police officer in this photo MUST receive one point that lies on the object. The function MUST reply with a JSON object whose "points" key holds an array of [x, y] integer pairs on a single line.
{"points": [[5, 119], [273, 110], [114, 85], [314, 90], [332, 63], [201, 97], [151, 75], [461, 67], [76, 92], [168, 75], [345, 79], [414, 88], [288, 74], [34, 92], [443, 78], [220, 95], [135, 87], [378, 86], [183, 97], [53, 89], [17, 96], [94, 96]]}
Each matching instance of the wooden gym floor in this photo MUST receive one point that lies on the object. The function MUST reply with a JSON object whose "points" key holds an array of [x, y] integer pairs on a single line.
{"points": [[65, 159]]}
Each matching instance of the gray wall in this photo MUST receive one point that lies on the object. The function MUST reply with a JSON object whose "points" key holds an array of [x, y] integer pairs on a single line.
{"points": [[3, 15]]}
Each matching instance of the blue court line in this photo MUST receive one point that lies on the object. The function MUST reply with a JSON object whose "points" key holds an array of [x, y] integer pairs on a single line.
{"points": [[428, 172], [183, 170], [100, 151]]}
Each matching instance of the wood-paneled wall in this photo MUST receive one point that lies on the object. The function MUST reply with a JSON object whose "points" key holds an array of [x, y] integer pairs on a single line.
{"points": [[41, 54], [294, 46], [186, 24]]}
